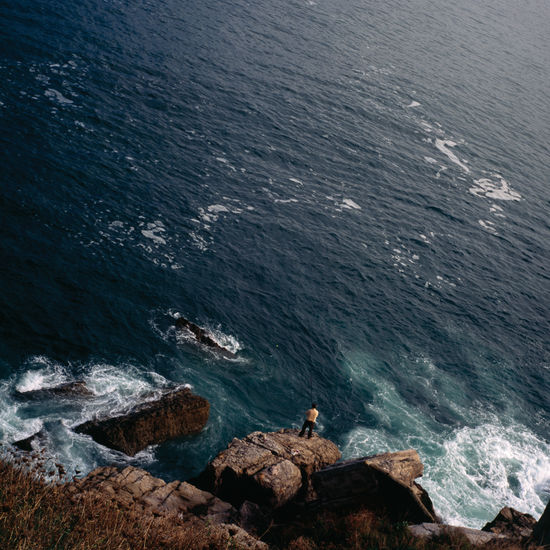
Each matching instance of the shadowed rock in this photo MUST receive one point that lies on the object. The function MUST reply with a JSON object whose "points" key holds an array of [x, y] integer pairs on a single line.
{"points": [[541, 531], [176, 413], [77, 389], [202, 336], [511, 523], [384, 482], [267, 468]]}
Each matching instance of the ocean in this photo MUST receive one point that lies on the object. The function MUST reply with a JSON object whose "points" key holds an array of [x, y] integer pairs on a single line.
{"points": [[352, 196]]}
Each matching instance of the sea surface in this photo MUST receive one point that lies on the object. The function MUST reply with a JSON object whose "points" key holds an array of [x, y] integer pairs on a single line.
{"points": [[353, 196]]}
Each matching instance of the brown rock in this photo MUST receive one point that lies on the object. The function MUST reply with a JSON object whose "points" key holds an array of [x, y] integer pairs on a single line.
{"points": [[267, 468], [375, 482], [511, 523], [176, 413]]}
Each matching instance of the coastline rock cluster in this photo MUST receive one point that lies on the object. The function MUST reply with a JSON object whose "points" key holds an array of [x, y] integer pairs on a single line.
{"points": [[268, 477]]}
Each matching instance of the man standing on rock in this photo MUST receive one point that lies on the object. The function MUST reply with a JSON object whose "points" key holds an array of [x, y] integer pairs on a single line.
{"points": [[311, 417]]}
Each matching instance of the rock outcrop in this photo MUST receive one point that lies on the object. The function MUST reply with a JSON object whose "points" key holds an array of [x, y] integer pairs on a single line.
{"points": [[136, 488], [176, 413], [268, 469], [384, 482], [541, 531], [511, 524]]}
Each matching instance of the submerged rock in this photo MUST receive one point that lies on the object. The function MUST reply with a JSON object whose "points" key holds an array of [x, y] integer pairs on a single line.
{"points": [[202, 336], [77, 388], [175, 413], [385, 482], [268, 469], [511, 523]]}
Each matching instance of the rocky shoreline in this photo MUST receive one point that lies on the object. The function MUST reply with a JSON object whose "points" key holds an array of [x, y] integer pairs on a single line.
{"points": [[268, 479]]}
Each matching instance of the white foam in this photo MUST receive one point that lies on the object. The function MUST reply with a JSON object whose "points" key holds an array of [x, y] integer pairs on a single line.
{"points": [[471, 470], [217, 208], [47, 375], [488, 226], [349, 204], [413, 104], [484, 468], [54, 95], [443, 145], [152, 232], [497, 189], [296, 180], [430, 160]]}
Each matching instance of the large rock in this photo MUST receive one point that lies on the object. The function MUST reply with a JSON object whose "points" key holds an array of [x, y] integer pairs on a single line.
{"points": [[541, 531], [383, 482], [267, 468], [176, 413], [511, 523]]}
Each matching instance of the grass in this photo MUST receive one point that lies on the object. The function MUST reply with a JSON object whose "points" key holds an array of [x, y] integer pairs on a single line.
{"points": [[40, 515], [35, 515]]}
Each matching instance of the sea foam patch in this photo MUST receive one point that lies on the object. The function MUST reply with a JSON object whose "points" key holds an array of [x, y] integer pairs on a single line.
{"points": [[443, 145], [495, 187]]}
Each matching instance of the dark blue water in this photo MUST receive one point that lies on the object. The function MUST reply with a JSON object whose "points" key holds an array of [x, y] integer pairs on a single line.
{"points": [[353, 196]]}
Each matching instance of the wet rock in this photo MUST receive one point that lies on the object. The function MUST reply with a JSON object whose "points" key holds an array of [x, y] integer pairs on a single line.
{"points": [[71, 389], [511, 523], [267, 468], [541, 531], [202, 336], [381, 482], [175, 413], [474, 536]]}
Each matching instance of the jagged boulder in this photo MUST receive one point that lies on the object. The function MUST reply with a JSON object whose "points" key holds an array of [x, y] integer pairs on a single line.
{"points": [[267, 468], [176, 413], [385, 482], [511, 523], [541, 531]]}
